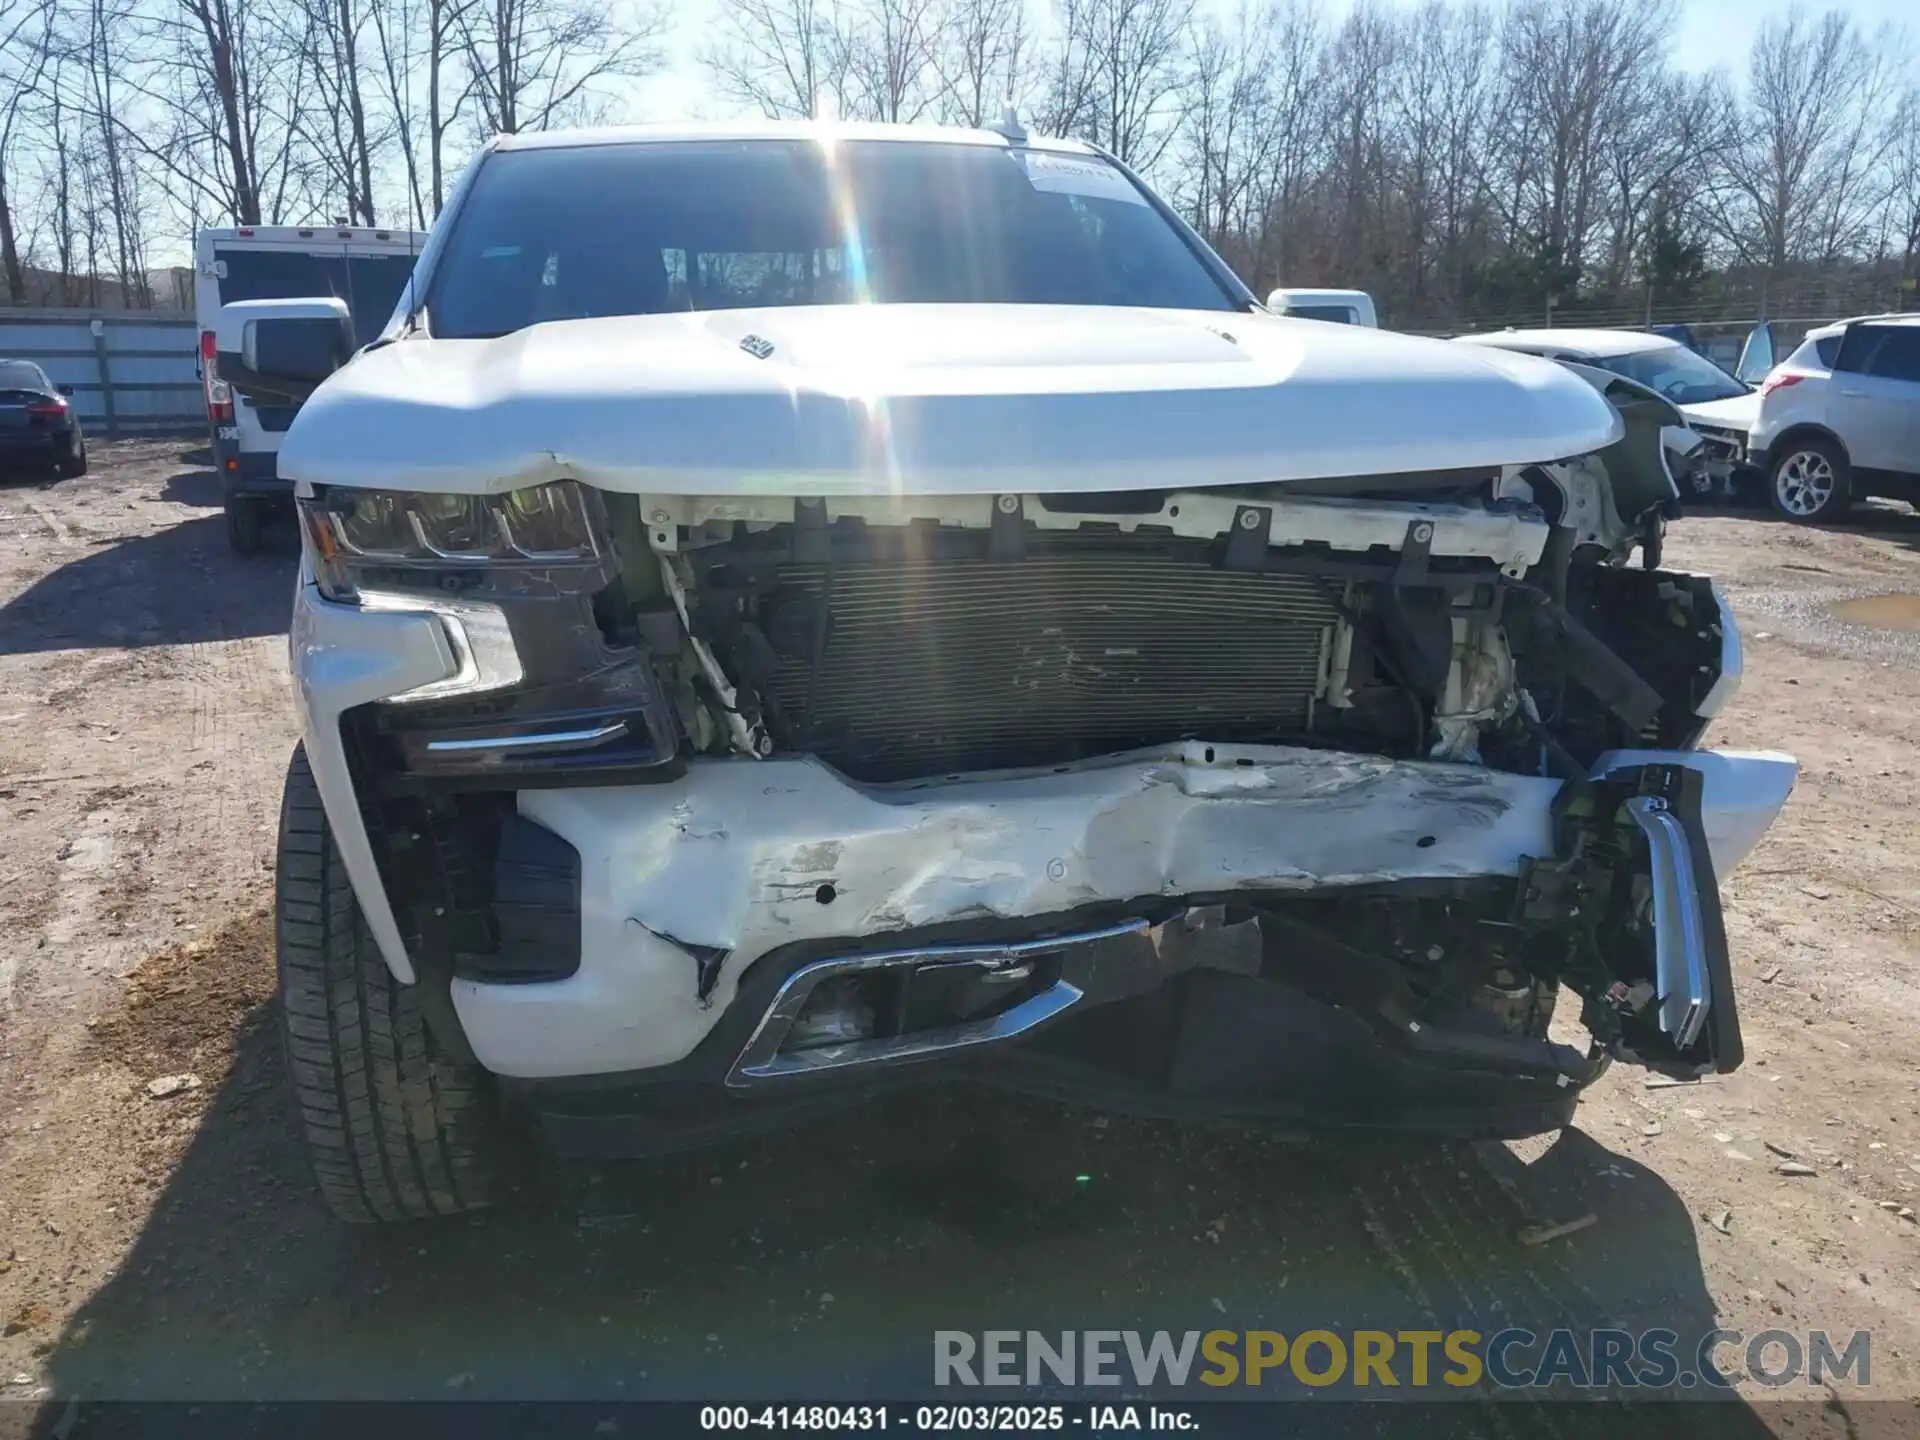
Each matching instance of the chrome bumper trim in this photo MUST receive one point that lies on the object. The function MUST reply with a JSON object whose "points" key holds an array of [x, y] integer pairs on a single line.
{"points": [[522, 742], [762, 1060], [1679, 928]]}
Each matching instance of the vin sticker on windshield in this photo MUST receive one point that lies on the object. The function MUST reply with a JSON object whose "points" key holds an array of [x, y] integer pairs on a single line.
{"points": [[1073, 175]]}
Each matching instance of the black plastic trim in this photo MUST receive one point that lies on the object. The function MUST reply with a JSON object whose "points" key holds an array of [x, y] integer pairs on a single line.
{"points": [[536, 909]]}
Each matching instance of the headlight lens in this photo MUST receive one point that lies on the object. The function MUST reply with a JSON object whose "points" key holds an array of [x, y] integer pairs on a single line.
{"points": [[459, 527], [374, 524], [354, 531]]}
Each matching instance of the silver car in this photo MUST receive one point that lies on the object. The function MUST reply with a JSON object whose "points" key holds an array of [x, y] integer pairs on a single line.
{"points": [[1840, 419]]}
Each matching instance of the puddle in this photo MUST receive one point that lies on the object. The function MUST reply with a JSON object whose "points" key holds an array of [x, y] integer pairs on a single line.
{"points": [[1880, 612]]}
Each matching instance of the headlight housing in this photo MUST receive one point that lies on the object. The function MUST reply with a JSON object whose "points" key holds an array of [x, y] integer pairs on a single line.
{"points": [[415, 539]]}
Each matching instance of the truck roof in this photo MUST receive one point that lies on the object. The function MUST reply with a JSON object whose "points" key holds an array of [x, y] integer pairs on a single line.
{"points": [[308, 234], [817, 130]]}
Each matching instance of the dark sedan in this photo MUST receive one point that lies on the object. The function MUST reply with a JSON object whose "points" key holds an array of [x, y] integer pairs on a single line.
{"points": [[38, 428]]}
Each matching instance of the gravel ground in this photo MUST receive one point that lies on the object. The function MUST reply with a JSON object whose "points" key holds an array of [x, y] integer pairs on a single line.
{"points": [[173, 1247]]}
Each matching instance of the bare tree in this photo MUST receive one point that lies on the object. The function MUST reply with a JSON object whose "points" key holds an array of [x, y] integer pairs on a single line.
{"points": [[25, 32], [338, 127], [891, 52], [1361, 73], [1671, 126], [981, 59], [57, 178], [1903, 182], [1250, 133], [1572, 67], [107, 23], [780, 57], [225, 93], [539, 63], [1116, 72], [418, 52], [1797, 184], [1439, 111]]}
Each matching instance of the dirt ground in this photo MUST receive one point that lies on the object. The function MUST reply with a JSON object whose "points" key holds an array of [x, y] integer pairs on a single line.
{"points": [[172, 1246]]}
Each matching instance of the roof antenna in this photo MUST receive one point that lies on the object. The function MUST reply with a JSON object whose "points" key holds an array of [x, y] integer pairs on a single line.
{"points": [[1009, 124]]}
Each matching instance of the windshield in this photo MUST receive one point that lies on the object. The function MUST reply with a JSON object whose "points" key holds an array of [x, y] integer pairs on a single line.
{"points": [[1684, 377], [642, 229], [370, 284]]}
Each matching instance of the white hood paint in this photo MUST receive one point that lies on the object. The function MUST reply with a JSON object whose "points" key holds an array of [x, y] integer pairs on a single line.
{"points": [[1737, 412], [931, 400]]}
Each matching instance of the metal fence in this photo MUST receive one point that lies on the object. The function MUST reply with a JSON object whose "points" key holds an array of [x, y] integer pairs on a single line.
{"points": [[131, 373]]}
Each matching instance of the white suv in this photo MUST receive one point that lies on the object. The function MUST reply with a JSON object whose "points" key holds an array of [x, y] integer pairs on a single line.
{"points": [[1840, 418]]}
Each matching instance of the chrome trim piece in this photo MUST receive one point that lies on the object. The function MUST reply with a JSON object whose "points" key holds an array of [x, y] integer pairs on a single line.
{"points": [[761, 1058], [1732, 659], [1679, 926], [521, 742], [477, 633]]}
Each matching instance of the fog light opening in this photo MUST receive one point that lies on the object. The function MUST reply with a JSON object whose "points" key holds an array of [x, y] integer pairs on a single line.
{"points": [[838, 1012]]}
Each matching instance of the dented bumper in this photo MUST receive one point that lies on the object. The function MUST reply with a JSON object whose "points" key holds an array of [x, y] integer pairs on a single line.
{"points": [[743, 858]]}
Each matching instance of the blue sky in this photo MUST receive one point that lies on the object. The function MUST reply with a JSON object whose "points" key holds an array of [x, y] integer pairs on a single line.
{"points": [[1708, 33]]}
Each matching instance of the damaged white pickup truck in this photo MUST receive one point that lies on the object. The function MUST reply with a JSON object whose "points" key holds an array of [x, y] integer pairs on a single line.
{"points": [[789, 611]]}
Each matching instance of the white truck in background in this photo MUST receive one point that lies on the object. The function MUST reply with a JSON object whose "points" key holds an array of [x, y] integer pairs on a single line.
{"points": [[367, 268], [1341, 307]]}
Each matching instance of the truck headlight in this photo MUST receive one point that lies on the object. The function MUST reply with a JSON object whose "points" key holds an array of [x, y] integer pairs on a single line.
{"points": [[415, 538]]}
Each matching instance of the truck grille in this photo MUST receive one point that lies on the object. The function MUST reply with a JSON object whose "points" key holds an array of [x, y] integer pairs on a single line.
{"points": [[935, 667]]}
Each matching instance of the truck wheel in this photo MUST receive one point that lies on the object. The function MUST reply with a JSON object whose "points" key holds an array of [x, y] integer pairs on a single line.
{"points": [[397, 1129], [243, 525], [1811, 481]]}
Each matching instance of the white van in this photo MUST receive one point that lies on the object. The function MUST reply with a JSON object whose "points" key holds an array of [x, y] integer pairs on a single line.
{"points": [[1342, 307], [366, 268]]}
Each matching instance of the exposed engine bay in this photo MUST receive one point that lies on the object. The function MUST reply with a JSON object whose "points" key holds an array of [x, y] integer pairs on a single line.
{"points": [[925, 647]]}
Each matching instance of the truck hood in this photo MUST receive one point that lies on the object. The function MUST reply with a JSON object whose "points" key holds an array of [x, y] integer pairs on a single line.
{"points": [[933, 400], [1736, 412]]}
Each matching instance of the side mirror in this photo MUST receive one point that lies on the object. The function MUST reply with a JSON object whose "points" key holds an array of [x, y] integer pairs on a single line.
{"points": [[275, 351], [66, 390]]}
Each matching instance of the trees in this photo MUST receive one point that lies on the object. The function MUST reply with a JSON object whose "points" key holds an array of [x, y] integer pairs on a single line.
{"points": [[779, 57], [25, 32], [1461, 160], [1799, 183], [1115, 73], [540, 63], [981, 57]]}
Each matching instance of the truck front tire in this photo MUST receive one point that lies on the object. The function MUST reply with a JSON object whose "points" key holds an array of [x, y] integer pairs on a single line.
{"points": [[397, 1130]]}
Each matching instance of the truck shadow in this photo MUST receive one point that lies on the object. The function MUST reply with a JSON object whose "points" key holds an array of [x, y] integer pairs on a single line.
{"points": [[818, 1263], [179, 586]]}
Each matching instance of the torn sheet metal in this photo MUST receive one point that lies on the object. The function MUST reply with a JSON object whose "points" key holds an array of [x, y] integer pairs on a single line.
{"points": [[746, 857]]}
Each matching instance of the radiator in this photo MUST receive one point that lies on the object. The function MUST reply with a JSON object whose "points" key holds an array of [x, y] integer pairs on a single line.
{"points": [[934, 667]]}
